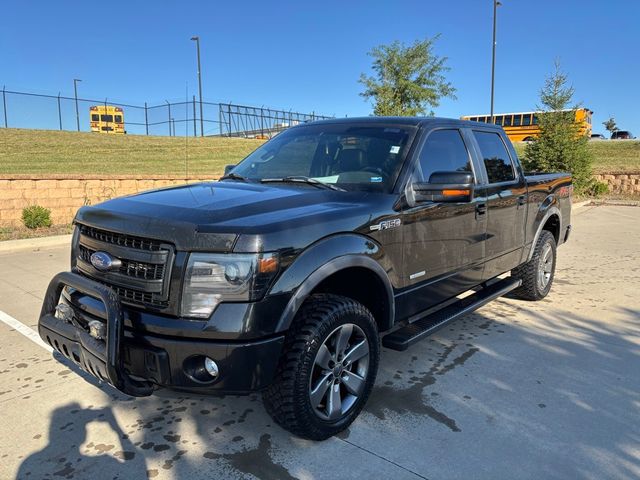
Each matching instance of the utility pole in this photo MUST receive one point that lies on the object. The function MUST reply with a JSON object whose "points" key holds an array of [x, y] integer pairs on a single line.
{"points": [[197, 40], [75, 92], [496, 4]]}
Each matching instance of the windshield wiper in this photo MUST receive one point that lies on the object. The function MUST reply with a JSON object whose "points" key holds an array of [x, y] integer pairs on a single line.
{"points": [[302, 179], [234, 176]]}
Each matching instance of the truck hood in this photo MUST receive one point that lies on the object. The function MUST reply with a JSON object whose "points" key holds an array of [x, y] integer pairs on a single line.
{"points": [[211, 216]]}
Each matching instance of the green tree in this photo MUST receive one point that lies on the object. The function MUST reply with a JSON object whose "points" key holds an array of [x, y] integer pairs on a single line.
{"points": [[407, 80], [560, 146], [610, 125]]}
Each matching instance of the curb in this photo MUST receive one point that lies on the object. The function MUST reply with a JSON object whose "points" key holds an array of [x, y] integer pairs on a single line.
{"points": [[35, 243], [577, 205]]}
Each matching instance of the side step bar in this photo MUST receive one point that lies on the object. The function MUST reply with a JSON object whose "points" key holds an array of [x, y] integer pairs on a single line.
{"points": [[406, 336]]}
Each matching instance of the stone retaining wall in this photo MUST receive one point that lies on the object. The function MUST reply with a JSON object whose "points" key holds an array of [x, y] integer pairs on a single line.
{"points": [[64, 194], [621, 183]]}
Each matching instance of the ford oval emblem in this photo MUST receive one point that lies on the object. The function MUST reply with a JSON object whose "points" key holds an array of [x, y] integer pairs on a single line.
{"points": [[104, 262]]}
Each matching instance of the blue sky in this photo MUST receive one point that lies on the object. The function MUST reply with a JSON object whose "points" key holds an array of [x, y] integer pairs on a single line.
{"points": [[308, 55]]}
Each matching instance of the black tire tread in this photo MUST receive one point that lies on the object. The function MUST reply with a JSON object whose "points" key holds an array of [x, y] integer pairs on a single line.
{"points": [[527, 272], [283, 402]]}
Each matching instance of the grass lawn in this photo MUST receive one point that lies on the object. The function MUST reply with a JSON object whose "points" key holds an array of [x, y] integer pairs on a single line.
{"points": [[45, 151], [609, 156]]}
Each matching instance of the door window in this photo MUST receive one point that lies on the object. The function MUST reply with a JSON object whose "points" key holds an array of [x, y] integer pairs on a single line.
{"points": [[495, 157], [443, 151]]}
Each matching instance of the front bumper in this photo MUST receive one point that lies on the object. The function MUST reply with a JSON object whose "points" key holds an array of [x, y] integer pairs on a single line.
{"points": [[135, 360]]}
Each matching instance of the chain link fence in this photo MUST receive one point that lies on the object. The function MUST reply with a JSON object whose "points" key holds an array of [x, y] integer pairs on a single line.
{"points": [[50, 112]]}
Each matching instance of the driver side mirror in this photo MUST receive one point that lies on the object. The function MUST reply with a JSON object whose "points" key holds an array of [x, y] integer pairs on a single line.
{"points": [[450, 187], [228, 168]]}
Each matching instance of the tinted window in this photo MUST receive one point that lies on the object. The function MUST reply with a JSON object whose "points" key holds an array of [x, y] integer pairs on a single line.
{"points": [[495, 156], [498, 120], [516, 120], [526, 120], [444, 151], [106, 118], [95, 117], [364, 157], [535, 119], [118, 118], [507, 121]]}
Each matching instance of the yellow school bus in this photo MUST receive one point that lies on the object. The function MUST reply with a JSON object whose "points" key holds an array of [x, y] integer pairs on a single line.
{"points": [[523, 126], [106, 119]]}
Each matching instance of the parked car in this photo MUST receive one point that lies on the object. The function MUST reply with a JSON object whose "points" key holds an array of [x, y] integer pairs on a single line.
{"points": [[598, 136], [283, 276], [622, 135]]}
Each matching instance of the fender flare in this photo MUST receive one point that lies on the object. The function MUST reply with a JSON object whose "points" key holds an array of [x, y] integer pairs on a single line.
{"points": [[547, 209], [343, 257]]}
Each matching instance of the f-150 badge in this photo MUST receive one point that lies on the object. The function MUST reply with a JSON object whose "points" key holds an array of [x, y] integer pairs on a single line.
{"points": [[386, 224]]}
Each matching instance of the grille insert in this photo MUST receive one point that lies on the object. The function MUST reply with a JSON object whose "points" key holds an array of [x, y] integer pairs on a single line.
{"points": [[130, 268], [121, 239]]}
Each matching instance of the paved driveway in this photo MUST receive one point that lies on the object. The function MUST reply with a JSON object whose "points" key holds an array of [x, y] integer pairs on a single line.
{"points": [[516, 390]]}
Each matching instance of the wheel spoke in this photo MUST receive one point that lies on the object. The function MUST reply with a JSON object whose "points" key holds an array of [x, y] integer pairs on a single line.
{"points": [[324, 357], [353, 383], [320, 390], [342, 338], [334, 407], [357, 351]]}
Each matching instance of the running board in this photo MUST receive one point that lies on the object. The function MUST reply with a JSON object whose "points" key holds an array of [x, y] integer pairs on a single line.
{"points": [[406, 336]]}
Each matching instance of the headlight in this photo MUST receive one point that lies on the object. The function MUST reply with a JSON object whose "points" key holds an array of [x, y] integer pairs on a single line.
{"points": [[212, 278]]}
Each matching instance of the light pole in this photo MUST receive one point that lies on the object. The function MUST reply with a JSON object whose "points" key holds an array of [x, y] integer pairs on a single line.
{"points": [[197, 40], [496, 4], [75, 92]]}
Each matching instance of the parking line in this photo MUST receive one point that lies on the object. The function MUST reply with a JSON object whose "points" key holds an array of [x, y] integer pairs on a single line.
{"points": [[28, 332]]}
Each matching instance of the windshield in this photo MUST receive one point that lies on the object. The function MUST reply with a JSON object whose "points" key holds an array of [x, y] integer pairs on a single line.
{"points": [[353, 157]]}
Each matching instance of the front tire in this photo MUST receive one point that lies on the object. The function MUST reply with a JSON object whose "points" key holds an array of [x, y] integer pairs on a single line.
{"points": [[537, 274], [327, 369]]}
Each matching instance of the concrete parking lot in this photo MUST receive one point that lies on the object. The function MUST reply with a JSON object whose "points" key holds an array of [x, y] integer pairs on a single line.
{"points": [[515, 390]]}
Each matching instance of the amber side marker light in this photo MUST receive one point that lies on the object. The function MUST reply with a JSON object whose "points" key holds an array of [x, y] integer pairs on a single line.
{"points": [[268, 264], [455, 193]]}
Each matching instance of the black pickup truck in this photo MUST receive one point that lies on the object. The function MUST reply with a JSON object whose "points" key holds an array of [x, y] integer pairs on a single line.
{"points": [[287, 274]]}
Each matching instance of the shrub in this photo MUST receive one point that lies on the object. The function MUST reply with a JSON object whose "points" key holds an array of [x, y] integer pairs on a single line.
{"points": [[560, 146], [596, 189], [36, 216]]}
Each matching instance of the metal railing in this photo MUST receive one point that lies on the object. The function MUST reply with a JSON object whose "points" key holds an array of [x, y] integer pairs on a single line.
{"points": [[58, 112]]}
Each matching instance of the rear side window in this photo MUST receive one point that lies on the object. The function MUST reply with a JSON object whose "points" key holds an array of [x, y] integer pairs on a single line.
{"points": [[443, 151], [495, 157]]}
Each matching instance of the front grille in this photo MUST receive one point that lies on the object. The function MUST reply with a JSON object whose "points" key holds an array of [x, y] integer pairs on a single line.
{"points": [[121, 239], [144, 275], [136, 296], [130, 268]]}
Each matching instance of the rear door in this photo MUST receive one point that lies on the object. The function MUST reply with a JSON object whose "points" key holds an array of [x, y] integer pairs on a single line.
{"points": [[506, 196], [443, 242]]}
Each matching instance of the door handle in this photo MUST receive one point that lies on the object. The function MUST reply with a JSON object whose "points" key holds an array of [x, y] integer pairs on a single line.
{"points": [[481, 209], [522, 200]]}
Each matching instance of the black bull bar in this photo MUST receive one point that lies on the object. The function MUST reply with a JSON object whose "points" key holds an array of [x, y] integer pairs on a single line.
{"points": [[102, 359]]}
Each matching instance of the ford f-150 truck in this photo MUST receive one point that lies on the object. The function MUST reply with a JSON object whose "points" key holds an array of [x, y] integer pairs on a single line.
{"points": [[287, 274]]}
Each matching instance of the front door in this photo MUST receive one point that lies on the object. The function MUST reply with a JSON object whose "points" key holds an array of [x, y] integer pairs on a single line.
{"points": [[443, 242]]}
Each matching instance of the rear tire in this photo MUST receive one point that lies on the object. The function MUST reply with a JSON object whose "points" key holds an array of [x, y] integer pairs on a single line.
{"points": [[327, 368], [537, 274]]}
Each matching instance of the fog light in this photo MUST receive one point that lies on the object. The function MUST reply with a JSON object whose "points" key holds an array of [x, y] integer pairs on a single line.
{"points": [[211, 367], [97, 329], [64, 312]]}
